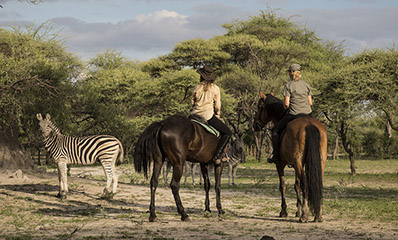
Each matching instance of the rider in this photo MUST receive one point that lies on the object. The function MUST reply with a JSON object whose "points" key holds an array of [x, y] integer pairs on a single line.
{"points": [[298, 101], [206, 102]]}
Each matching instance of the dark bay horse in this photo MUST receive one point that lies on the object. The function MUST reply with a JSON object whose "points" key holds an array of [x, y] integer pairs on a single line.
{"points": [[303, 146], [178, 139]]}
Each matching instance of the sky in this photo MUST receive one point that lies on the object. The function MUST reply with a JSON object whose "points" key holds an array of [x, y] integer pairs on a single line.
{"points": [[145, 29]]}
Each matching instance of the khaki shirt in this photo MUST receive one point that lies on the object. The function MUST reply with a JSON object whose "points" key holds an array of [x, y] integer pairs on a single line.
{"points": [[298, 91], [206, 103]]}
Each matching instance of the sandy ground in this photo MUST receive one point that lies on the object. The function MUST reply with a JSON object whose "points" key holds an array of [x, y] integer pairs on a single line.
{"points": [[30, 210]]}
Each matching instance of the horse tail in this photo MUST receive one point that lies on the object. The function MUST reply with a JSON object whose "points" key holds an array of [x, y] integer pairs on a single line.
{"points": [[313, 167], [147, 146]]}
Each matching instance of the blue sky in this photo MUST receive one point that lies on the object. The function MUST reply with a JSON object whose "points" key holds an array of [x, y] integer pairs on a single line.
{"points": [[144, 29]]}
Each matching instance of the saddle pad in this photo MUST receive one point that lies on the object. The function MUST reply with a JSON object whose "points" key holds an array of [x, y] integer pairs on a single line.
{"points": [[207, 127]]}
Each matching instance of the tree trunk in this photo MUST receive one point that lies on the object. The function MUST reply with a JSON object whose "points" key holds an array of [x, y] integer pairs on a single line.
{"points": [[336, 145], [12, 154], [347, 146]]}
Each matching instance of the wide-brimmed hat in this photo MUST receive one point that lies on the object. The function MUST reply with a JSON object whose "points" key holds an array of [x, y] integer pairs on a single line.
{"points": [[294, 67], [207, 73]]}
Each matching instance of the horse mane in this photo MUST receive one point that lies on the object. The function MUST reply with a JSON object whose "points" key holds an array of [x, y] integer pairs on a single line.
{"points": [[275, 105]]}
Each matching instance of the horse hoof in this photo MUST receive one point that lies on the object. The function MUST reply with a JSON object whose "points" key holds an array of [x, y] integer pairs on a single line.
{"points": [[153, 219], [283, 214], [207, 214], [221, 212], [186, 219]]}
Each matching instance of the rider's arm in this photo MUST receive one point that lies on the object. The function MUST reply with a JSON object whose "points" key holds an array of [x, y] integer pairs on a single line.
{"points": [[217, 102], [309, 100], [287, 101]]}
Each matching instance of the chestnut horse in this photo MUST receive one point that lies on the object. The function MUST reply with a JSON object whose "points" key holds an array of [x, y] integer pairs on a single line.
{"points": [[178, 139], [303, 146]]}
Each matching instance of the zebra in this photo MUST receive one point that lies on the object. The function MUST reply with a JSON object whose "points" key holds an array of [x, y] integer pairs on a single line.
{"points": [[235, 154], [81, 150]]}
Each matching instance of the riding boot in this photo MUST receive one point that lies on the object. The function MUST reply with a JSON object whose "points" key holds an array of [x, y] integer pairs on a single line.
{"points": [[222, 143], [275, 148]]}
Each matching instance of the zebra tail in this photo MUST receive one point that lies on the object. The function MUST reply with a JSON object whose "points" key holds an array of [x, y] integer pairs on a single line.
{"points": [[147, 145], [121, 154]]}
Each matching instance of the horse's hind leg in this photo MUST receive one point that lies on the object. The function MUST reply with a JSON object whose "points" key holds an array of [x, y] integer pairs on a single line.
{"points": [[282, 189], [297, 188], [157, 167], [304, 189], [175, 188], [217, 173], [206, 180]]}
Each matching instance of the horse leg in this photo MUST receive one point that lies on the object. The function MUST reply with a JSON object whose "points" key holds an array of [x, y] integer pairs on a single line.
{"points": [[206, 181], [157, 167], [217, 173], [282, 189], [297, 188], [175, 188], [304, 189]]}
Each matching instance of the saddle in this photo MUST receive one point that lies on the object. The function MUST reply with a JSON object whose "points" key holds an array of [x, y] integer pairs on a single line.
{"points": [[202, 122]]}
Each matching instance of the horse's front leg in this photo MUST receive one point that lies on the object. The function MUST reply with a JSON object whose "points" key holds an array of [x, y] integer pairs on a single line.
{"points": [[217, 173], [157, 167], [282, 189], [206, 181], [175, 188], [62, 178]]}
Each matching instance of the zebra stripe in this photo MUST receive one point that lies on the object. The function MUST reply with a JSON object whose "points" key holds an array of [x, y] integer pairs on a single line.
{"points": [[81, 150]]}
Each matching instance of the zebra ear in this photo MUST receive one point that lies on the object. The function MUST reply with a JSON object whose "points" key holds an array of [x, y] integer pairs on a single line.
{"points": [[39, 117], [48, 117]]}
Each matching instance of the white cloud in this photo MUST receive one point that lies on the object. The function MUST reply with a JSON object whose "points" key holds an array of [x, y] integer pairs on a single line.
{"points": [[159, 31]]}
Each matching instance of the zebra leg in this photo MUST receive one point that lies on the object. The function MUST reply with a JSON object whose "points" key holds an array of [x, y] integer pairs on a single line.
{"points": [[115, 179], [107, 166], [186, 166], [234, 169], [193, 170], [63, 179], [230, 174]]}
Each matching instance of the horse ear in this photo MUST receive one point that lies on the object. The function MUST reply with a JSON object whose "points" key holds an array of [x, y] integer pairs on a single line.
{"points": [[272, 93], [39, 117], [262, 95], [48, 116]]}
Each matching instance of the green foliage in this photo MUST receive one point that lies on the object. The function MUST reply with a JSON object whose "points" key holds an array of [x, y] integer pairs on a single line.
{"points": [[35, 76]]}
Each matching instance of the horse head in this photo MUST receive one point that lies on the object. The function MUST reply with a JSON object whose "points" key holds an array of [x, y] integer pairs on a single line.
{"points": [[269, 108]]}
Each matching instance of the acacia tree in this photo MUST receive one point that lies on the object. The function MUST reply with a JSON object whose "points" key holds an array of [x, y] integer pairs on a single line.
{"points": [[275, 42], [35, 75]]}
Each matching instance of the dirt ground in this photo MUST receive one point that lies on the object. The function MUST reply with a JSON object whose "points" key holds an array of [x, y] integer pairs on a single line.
{"points": [[29, 209]]}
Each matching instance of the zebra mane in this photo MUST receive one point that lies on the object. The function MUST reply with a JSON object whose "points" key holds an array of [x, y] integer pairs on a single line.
{"points": [[54, 127]]}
